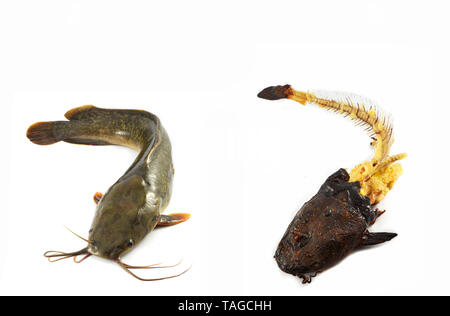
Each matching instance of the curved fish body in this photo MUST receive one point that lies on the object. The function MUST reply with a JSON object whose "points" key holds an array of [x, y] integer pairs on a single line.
{"points": [[131, 208]]}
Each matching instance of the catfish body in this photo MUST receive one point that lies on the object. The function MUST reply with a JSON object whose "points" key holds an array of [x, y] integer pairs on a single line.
{"points": [[335, 221], [327, 228], [131, 208]]}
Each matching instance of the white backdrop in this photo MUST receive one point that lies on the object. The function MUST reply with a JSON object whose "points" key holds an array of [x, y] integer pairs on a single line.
{"points": [[244, 166]]}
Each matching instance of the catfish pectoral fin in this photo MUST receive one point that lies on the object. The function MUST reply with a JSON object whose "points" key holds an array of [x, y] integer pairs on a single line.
{"points": [[370, 239], [173, 219], [97, 197]]}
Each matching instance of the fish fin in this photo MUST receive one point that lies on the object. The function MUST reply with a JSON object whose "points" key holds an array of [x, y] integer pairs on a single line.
{"points": [[370, 239], [172, 219], [275, 92], [97, 197], [42, 133], [80, 113], [377, 213], [86, 141]]}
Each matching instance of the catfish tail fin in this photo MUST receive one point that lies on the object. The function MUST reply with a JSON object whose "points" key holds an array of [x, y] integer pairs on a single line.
{"points": [[42, 133]]}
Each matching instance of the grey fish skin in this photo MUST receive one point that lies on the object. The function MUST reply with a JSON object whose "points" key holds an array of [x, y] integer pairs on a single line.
{"points": [[131, 208]]}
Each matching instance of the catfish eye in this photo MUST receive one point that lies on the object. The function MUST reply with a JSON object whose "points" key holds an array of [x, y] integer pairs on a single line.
{"points": [[130, 243]]}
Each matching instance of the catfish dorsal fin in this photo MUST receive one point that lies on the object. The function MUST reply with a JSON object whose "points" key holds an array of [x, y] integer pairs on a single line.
{"points": [[79, 113]]}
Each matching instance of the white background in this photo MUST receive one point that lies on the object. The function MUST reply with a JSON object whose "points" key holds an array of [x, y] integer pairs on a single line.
{"points": [[244, 166]]}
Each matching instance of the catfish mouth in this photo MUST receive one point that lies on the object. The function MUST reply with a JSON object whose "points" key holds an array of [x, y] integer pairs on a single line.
{"points": [[292, 267], [111, 254], [287, 262]]}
